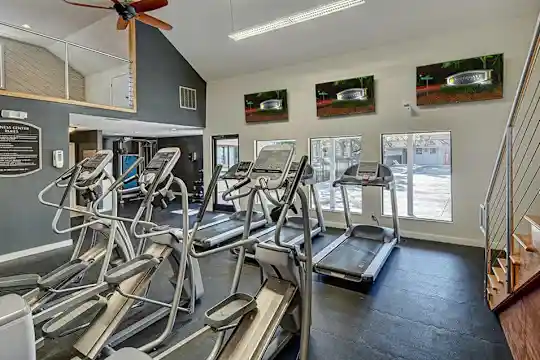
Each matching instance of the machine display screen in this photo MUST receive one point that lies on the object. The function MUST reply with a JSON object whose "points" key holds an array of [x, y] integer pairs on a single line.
{"points": [[272, 161], [367, 168], [94, 161], [160, 159], [243, 166]]}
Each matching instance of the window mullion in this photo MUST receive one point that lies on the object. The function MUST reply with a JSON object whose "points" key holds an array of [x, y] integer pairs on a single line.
{"points": [[332, 174], [410, 171]]}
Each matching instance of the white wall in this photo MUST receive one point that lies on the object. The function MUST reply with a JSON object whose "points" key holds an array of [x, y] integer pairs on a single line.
{"points": [[476, 128], [98, 85]]}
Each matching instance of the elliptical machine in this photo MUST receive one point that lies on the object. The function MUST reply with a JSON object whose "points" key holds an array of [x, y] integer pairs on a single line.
{"points": [[129, 281], [110, 242], [264, 324]]}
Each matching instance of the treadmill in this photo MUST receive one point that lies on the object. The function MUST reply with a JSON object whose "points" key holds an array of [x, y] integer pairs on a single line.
{"points": [[292, 232], [226, 228], [360, 253]]}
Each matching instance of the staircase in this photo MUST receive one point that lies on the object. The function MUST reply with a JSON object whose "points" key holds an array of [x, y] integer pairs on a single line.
{"points": [[510, 215]]}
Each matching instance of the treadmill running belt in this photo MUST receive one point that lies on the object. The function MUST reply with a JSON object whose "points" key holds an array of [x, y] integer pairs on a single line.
{"points": [[286, 235], [220, 228], [353, 256]]}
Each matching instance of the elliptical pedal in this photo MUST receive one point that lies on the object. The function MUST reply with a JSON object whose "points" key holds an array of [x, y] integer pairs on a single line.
{"points": [[74, 318]]}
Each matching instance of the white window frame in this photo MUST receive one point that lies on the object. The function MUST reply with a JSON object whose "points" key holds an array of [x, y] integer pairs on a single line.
{"points": [[333, 208], [410, 183]]}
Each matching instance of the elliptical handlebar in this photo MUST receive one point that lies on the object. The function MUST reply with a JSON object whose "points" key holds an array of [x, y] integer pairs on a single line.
{"points": [[114, 186], [227, 194], [209, 192], [289, 200]]}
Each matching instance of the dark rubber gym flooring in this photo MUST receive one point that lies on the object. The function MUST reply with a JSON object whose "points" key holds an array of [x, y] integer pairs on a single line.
{"points": [[427, 304]]}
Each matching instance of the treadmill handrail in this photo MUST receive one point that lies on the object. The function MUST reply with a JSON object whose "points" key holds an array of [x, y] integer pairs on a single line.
{"points": [[191, 238]]}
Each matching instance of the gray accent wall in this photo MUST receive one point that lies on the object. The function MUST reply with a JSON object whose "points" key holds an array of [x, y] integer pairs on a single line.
{"points": [[186, 169], [24, 222], [161, 70]]}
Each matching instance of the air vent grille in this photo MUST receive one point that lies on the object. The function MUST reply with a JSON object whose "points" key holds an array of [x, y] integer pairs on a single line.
{"points": [[188, 98]]}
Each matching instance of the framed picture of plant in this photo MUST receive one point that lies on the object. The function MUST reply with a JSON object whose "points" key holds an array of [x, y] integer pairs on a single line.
{"points": [[346, 97], [266, 106], [475, 79]]}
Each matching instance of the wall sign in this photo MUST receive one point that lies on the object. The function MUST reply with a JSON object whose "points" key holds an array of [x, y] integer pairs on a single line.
{"points": [[20, 148]]}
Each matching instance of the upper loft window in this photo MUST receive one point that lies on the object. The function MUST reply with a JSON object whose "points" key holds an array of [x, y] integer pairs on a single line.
{"points": [[188, 98]]}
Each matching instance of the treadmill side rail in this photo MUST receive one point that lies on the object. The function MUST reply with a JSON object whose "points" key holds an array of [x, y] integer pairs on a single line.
{"points": [[370, 274]]}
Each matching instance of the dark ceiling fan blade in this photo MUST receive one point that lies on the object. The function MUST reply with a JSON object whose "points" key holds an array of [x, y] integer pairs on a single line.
{"points": [[149, 5], [150, 20], [121, 24], [87, 5]]}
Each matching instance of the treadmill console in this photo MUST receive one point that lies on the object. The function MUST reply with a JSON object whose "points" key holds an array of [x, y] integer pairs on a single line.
{"points": [[167, 156], [94, 166], [243, 169], [272, 165], [367, 171]]}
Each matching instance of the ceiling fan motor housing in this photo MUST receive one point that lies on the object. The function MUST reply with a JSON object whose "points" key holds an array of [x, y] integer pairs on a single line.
{"points": [[127, 12]]}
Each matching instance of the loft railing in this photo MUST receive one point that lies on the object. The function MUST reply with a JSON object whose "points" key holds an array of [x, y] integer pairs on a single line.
{"points": [[515, 182], [69, 47]]}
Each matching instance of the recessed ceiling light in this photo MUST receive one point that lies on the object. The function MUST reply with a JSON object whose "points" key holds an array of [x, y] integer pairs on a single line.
{"points": [[174, 129], [310, 14], [26, 26]]}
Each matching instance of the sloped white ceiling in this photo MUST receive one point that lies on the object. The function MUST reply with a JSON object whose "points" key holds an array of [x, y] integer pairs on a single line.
{"points": [[202, 28]]}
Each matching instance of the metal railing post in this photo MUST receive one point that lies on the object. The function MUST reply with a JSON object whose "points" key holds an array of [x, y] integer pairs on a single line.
{"points": [[522, 86], [66, 70], [487, 256], [509, 208]]}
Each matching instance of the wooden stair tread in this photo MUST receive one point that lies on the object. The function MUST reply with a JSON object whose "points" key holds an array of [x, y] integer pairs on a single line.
{"points": [[502, 262], [515, 259], [534, 220], [493, 283], [499, 274], [525, 240]]}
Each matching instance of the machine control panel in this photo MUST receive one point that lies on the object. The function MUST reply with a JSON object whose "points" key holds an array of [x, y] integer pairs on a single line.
{"points": [[94, 166], [243, 169], [273, 164], [367, 171], [167, 156]]}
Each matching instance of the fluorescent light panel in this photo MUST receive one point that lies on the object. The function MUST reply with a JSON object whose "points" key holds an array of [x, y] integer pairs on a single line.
{"points": [[310, 14]]}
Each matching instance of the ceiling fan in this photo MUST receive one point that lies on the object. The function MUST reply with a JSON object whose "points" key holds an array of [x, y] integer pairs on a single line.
{"points": [[129, 9]]}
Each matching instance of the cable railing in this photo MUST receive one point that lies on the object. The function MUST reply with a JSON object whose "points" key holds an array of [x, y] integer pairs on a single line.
{"points": [[515, 182], [59, 81]]}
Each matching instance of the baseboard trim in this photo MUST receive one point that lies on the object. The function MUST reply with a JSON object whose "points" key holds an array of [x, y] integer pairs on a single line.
{"points": [[424, 236], [35, 250]]}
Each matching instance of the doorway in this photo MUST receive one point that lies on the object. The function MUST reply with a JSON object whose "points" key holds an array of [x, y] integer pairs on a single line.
{"points": [[226, 153]]}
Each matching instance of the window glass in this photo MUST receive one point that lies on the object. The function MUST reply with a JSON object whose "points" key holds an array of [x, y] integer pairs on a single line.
{"points": [[424, 178], [330, 157]]}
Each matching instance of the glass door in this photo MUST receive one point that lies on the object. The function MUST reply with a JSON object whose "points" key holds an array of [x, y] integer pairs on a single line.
{"points": [[225, 154]]}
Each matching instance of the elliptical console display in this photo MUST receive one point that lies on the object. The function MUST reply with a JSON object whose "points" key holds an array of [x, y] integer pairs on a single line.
{"points": [[167, 156], [94, 166], [272, 165]]}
